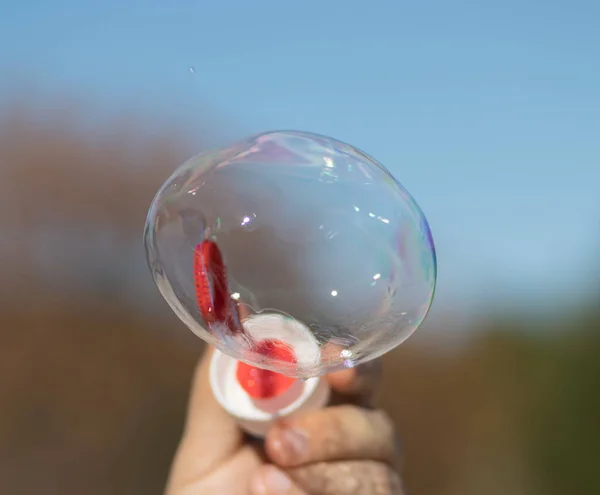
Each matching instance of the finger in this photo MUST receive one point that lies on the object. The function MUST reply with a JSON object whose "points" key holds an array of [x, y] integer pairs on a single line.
{"points": [[348, 478], [357, 385], [269, 480], [332, 434], [210, 436]]}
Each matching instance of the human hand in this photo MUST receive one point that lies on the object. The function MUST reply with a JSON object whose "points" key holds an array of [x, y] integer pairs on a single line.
{"points": [[347, 448]]}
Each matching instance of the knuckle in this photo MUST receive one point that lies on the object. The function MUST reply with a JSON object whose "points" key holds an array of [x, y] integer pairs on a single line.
{"points": [[349, 478], [379, 479], [387, 482], [338, 433], [385, 421], [351, 420], [343, 417]]}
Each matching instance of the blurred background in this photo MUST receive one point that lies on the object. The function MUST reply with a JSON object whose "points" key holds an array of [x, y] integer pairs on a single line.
{"points": [[488, 112]]}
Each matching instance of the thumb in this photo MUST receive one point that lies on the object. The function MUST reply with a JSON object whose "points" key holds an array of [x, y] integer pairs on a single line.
{"points": [[210, 436]]}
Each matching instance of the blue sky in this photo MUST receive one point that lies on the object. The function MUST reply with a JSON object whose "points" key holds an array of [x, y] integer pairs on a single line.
{"points": [[488, 112]]}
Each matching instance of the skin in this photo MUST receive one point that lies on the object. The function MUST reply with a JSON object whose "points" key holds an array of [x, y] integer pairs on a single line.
{"points": [[348, 448]]}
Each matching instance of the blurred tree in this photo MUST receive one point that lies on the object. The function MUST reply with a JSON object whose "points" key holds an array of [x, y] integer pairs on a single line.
{"points": [[93, 388], [565, 424]]}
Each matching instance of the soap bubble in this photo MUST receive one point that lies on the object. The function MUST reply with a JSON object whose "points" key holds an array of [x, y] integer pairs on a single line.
{"points": [[292, 252]]}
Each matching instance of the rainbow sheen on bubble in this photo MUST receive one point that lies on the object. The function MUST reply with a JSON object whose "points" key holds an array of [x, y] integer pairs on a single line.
{"points": [[323, 250]]}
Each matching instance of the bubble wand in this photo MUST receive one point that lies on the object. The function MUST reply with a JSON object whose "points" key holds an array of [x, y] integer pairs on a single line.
{"points": [[254, 396]]}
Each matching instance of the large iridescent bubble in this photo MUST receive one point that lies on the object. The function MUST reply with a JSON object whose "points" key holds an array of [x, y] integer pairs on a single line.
{"points": [[293, 252]]}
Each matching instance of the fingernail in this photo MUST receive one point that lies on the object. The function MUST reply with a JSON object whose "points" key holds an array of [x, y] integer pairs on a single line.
{"points": [[271, 482], [293, 443]]}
